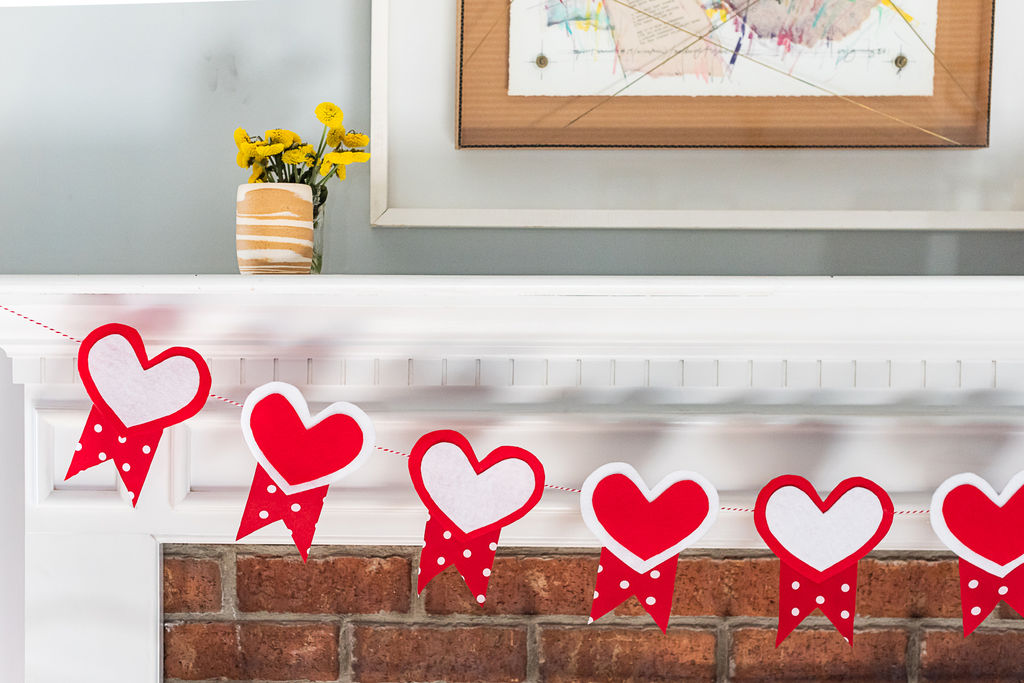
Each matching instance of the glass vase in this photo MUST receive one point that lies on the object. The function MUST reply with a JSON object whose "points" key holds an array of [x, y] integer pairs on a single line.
{"points": [[319, 229]]}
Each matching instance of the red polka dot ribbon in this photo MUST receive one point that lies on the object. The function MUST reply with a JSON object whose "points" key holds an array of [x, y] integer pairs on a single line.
{"points": [[984, 529], [134, 398], [267, 504], [298, 456], [642, 532], [470, 501], [819, 543]]}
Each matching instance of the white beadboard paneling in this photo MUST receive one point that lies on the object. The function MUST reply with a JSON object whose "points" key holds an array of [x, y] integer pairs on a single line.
{"points": [[872, 374], [460, 371], [943, 374], [496, 372], [529, 372], [394, 372], [596, 372], [427, 372], [327, 371], [257, 371], [630, 372], [226, 372], [665, 372], [563, 372], [293, 371], [837, 374], [734, 373], [360, 372], [978, 374], [767, 374], [803, 374], [908, 374], [700, 373]]}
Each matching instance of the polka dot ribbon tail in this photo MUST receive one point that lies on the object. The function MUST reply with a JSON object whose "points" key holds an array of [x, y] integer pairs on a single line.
{"points": [[267, 504], [617, 582], [105, 439], [981, 592]]}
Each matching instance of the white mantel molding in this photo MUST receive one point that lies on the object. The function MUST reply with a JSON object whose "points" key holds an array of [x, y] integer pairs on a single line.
{"points": [[903, 380]]}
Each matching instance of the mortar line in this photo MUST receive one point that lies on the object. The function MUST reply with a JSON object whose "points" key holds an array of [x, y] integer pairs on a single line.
{"points": [[723, 647]]}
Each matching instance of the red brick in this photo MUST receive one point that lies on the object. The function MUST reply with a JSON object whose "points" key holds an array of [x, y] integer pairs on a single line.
{"points": [[191, 585], [626, 654], [251, 650], [981, 656], [334, 585], [818, 655], [422, 653], [710, 587], [279, 652], [911, 588], [198, 651], [519, 585]]}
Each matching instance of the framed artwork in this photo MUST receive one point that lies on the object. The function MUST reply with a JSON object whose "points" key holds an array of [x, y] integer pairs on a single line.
{"points": [[724, 73], [425, 174]]}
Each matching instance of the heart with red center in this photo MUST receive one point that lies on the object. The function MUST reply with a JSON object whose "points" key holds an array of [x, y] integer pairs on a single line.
{"points": [[476, 496], [644, 527], [819, 538], [979, 525], [302, 452], [139, 392]]}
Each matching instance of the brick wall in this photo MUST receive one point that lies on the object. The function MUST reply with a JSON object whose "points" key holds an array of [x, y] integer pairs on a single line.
{"points": [[352, 614]]}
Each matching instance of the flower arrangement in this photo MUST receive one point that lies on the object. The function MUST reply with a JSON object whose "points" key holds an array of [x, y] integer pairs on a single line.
{"points": [[281, 156]]}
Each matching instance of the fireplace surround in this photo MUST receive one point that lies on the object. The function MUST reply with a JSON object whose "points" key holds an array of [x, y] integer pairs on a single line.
{"points": [[903, 380]]}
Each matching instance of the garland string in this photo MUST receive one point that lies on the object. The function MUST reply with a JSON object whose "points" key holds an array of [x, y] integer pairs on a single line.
{"points": [[556, 487]]}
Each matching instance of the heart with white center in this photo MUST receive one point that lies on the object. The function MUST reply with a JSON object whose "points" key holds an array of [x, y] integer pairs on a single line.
{"points": [[478, 495], [137, 390], [824, 539]]}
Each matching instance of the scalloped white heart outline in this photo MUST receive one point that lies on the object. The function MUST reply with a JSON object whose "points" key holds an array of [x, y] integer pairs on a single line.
{"points": [[631, 559], [952, 542], [298, 403]]}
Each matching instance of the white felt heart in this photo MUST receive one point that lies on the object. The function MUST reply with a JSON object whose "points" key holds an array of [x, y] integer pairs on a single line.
{"points": [[471, 500], [138, 396], [823, 539]]}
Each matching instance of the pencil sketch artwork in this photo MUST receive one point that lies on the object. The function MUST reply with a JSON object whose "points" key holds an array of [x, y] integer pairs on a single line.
{"points": [[722, 47]]}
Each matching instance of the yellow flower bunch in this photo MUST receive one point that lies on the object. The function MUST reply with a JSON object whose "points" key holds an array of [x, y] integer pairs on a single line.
{"points": [[281, 156]]}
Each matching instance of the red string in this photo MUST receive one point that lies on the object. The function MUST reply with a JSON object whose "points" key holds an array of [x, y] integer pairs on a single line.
{"points": [[556, 487]]}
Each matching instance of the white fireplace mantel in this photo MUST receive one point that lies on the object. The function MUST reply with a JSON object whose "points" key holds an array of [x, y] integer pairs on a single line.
{"points": [[903, 380]]}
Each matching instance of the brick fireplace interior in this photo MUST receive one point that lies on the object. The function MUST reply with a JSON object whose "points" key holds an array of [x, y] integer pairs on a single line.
{"points": [[244, 612]]}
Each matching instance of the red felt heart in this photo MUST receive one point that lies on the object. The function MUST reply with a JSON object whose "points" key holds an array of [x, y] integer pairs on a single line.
{"points": [[298, 451], [983, 526], [648, 527]]}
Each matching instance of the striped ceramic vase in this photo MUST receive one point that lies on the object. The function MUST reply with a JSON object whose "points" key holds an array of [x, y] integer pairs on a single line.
{"points": [[274, 228]]}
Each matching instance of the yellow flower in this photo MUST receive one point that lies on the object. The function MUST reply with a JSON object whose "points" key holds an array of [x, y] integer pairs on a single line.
{"points": [[263, 150], [329, 114], [335, 136], [258, 171], [341, 159], [285, 137], [299, 155], [357, 140], [246, 154], [241, 138]]}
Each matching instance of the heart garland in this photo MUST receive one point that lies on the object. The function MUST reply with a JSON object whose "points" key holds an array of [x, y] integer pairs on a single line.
{"points": [[642, 532], [298, 456], [819, 543], [986, 531], [134, 398], [470, 501]]}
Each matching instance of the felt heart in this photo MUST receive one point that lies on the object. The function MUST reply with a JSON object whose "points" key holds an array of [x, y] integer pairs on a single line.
{"points": [[979, 525], [476, 496], [298, 451], [138, 391], [822, 537], [644, 527]]}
